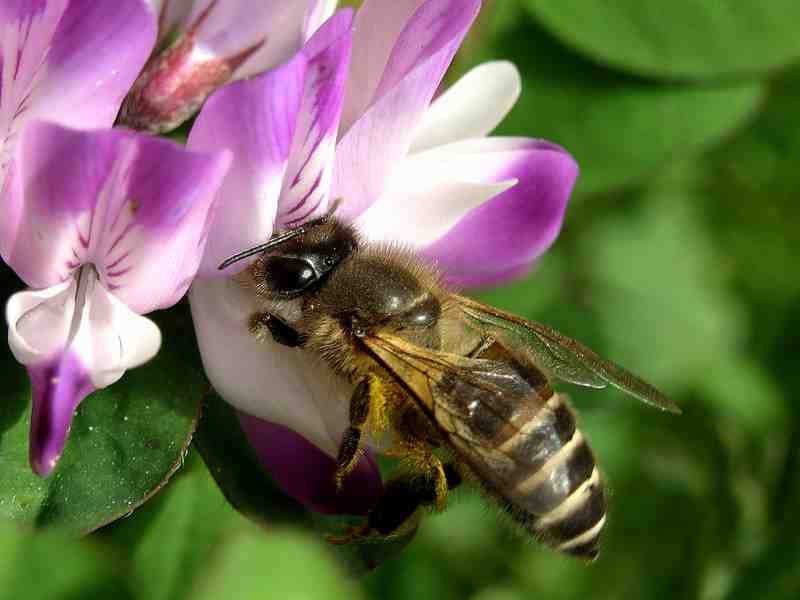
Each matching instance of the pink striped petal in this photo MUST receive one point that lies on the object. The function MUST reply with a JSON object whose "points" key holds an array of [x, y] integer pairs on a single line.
{"points": [[74, 338], [255, 119], [305, 472], [306, 184], [135, 207], [380, 137], [97, 52], [501, 238], [72, 63]]}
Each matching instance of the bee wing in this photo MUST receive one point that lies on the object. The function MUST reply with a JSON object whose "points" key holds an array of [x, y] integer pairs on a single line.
{"points": [[472, 400], [560, 356]]}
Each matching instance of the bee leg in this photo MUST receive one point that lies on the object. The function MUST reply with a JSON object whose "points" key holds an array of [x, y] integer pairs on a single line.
{"points": [[348, 450], [404, 495], [262, 323], [440, 485]]}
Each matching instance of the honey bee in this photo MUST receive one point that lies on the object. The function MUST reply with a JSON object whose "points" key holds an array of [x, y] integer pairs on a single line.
{"points": [[465, 388]]}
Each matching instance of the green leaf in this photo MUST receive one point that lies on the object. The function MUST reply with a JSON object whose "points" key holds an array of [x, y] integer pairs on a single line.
{"points": [[617, 127], [125, 442], [236, 469], [658, 287], [51, 566], [280, 564], [169, 541], [677, 39], [251, 490], [752, 183]]}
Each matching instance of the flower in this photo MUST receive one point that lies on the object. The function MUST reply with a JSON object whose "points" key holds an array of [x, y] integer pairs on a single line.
{"points": [[111, 225], [408, 170], [214, 41], [70, 62]]}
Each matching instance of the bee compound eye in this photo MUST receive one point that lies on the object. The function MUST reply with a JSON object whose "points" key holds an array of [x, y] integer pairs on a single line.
{"points": [[288, 275]]}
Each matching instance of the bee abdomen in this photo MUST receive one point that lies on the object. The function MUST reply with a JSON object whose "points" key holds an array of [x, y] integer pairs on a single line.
{"points": [[556, 491]]}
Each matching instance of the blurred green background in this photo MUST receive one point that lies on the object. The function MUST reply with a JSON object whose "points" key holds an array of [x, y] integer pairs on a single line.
{"points": [[678, 258]]}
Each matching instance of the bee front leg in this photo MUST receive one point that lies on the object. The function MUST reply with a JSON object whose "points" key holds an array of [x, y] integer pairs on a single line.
{"points": [[263, 323], [351, 442]]}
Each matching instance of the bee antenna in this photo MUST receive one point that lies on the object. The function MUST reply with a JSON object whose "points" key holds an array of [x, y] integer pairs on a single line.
{"points": [[276, 241]]}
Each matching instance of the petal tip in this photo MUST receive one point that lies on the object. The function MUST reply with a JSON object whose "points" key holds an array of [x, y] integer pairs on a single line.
{"points": [[58, 386], [43, 466]]}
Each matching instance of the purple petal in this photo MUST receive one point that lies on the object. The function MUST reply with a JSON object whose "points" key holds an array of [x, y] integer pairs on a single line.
{"points": [[377, 26], [381, 136], [135, 206], [27, 29], [58, 386], [501, 238], [255, 119], [437, 26], [306, 184], [305, 472], [73, 338], [96, 53]]}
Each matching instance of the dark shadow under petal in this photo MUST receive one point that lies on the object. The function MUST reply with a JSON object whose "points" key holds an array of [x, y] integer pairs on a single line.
{"points": [[306, 473]]}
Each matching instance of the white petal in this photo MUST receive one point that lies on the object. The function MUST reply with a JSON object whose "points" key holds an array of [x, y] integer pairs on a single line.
{"points": [[38, 321], [428, 195], [472, 107], [80, 317], [317, 13], [275, 383]]}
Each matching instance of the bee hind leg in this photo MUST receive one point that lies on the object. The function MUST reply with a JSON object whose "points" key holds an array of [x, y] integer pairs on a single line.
{"points": [[396, 512], [351, 441], [404, 495]]}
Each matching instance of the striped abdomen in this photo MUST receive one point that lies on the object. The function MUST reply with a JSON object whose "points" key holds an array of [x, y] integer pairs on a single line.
{"points": [[556, 491], [522, 442]]}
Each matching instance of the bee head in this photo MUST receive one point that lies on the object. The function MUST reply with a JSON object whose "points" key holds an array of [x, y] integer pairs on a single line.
{"points": [[297, 261]]}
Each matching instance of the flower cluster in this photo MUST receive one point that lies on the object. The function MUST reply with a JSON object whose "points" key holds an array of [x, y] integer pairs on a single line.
{"points": [[104, 224]]}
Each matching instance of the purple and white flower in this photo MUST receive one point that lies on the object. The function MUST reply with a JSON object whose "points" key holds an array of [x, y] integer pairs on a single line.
{"points": [[408, 168], [111, 225], [215, 41]]}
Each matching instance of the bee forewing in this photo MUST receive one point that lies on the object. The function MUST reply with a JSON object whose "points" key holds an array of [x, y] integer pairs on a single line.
{"points": [[560, 356]]}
